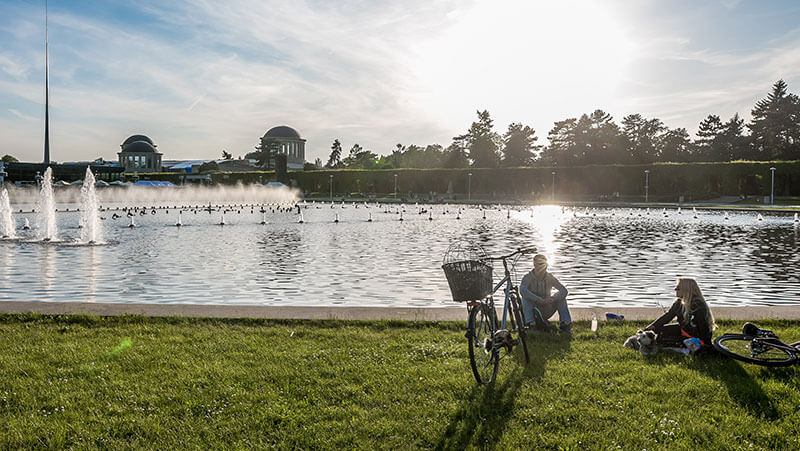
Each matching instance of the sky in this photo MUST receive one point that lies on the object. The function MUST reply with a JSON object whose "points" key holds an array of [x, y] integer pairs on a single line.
{"points": [[203, 76]]}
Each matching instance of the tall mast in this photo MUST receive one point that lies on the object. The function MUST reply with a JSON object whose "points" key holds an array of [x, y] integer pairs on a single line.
{"points": [[46, 90]]}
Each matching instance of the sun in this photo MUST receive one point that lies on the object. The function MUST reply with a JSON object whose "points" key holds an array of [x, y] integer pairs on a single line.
{"points": [[521, 55]]}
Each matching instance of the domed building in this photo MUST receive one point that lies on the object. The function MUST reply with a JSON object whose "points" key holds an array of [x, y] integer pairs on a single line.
{"points": [[285, 140], [138, 154]]}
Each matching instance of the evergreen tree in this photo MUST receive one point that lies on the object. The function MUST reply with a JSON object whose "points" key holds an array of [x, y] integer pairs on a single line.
{"points": [[642, 136], [708, 145], [455, 156], [599, 140], [563, 148], [733, 143], [482, 142], [675, 145], [775, 128], [336, 155], [520, 146]]}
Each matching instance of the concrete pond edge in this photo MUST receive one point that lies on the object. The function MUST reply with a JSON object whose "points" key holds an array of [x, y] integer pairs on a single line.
{"points": [[455, 312]]}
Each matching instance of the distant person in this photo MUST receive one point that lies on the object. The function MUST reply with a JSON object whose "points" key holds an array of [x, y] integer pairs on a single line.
{"points": [[542, 296], [692, 313]]}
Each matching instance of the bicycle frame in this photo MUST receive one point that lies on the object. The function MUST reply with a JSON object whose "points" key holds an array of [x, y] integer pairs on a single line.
{"points": [[778, 344], [506, 280]]}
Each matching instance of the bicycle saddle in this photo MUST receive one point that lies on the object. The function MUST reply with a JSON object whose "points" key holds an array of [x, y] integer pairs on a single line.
{"points": [[750, 329]]}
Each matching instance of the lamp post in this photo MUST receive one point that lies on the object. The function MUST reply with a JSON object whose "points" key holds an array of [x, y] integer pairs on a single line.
{"points": [[469, 187], [395, 186], [772, 188], [554, 185], [646, 184], [331, 183]]}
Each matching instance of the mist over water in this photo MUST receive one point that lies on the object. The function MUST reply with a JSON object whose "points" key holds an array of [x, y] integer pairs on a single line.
{"points": [[146, 196]]}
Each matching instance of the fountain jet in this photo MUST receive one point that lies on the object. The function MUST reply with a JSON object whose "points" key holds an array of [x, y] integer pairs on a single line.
{"points": [[91, 229], [6, 219], [46, 206]]}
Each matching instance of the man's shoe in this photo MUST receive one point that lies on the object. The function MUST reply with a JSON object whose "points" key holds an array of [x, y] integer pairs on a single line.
{"points": [[565, 328]]}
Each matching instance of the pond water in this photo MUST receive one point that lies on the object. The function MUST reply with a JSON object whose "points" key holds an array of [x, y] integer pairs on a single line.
{"points": [[605, 257]]}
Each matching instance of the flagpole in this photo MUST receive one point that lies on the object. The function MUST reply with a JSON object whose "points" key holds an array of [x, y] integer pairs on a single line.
{"points": [[46, 89]]}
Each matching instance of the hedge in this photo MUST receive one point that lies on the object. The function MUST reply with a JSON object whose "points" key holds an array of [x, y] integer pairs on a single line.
{"points": [[667, 181]]}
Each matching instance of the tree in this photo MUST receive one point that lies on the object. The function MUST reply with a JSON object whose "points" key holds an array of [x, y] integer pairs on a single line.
{"points": [[265, 152], [336, 155], [397, 154], [226, 155], [562, 150], [707, 145], [455, 156], [675, 145], [642, 135], [482, 143], [9, 159], [775, 128], [520, 145], [360, 158], [733, 143]]}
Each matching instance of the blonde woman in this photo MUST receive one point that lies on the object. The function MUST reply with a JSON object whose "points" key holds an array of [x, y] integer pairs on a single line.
{"points": [[692, 313]]}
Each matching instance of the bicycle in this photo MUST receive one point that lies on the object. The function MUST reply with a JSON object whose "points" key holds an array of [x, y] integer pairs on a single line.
{"points": [[758, 346], [470, 281]]}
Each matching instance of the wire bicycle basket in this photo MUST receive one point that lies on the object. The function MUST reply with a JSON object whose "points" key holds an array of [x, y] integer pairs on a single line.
{"points": [[467, 271]]}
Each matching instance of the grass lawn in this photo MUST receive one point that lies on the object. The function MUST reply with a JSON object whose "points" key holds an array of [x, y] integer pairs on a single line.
{"points": [[136, 382]]}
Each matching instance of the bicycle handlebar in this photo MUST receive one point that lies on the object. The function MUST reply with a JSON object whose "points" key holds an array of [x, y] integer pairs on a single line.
{"points": [[523, 251]]}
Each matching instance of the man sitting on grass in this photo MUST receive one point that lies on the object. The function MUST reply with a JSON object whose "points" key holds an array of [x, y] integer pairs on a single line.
{"points": [[538, 300]]}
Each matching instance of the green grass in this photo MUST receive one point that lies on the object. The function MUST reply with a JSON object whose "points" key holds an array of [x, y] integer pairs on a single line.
{"points": [[136, 382]]}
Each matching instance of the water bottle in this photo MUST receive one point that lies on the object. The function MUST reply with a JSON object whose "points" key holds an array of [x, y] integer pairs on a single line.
{"points": [[594, 323], [611, 316]]}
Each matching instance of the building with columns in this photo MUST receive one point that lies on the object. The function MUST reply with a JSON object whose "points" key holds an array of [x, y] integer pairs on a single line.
{"points": [[287, 141], [138, 154]]}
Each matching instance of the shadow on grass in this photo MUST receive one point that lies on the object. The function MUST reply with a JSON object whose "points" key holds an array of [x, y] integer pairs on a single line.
{"points": [[742, 386], [482, 417]]}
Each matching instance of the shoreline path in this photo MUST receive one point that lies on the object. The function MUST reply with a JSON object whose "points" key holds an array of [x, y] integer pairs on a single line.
{"points": [[456, 312]]}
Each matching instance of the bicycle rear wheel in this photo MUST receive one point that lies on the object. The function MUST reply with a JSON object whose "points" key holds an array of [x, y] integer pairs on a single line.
{"points": [[754, 350], [483, 356], [517, 315]]}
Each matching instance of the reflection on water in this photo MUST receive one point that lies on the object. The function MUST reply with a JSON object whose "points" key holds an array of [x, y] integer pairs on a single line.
{"points": [[605, 257]]}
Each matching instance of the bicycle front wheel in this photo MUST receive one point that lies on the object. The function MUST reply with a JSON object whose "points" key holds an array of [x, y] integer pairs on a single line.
{"points": [[516, 311], [483, 356], [754, 350]]}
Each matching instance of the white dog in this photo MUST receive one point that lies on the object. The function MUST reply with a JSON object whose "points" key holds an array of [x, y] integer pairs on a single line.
{"points": [[643, 341]]}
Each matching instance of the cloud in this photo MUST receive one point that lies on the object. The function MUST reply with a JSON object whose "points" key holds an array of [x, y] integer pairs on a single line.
{"points": [[17, 70], [199, 76], [22, 116]]}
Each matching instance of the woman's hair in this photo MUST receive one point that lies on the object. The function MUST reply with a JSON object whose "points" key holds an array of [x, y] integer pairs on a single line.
{"points": [[690, 295]]}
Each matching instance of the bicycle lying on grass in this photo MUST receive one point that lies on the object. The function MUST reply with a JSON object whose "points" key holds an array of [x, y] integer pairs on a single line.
{"points": [[469, 275], [759, 346]]}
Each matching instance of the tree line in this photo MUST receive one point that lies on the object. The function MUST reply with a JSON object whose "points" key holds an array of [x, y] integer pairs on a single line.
{"points": [[595, 138]]}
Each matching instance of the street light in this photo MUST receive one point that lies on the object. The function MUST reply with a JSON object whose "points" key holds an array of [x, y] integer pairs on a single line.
{"points": [[646, 184], [554, 185], [395, 186], [331, 176], [469, 187], [772, 189]]}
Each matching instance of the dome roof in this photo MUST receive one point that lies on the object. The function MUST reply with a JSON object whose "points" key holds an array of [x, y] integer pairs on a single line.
{"points": [[134, 138], [282, 131], [138, 146]]}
